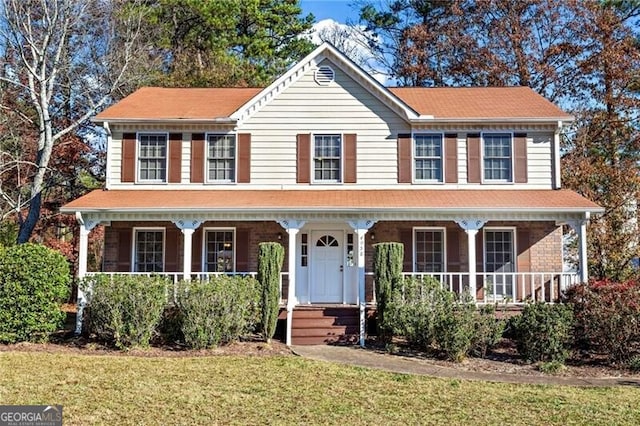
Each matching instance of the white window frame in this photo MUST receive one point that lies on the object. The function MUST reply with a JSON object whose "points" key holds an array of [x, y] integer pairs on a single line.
{"points": [[414, 158], [203, 260], [134, 245], [417, 229], [166, 160], [482, 158], [235, 159], [313, 159], [514, 253]]}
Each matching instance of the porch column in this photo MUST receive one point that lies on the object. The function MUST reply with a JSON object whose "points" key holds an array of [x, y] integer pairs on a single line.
{"points": [[83, 248], [187, 227], [580, 226], [471, 227], [361, 227], [292, 227]]}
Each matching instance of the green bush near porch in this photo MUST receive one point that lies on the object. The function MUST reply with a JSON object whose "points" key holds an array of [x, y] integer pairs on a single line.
{"points": [[387, 272], [220, 310], [125, 309], [270, 260], [34, 281]]}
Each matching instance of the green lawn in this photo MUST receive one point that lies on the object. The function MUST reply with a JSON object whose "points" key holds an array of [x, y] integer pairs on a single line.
{"points": [[285, 390]]}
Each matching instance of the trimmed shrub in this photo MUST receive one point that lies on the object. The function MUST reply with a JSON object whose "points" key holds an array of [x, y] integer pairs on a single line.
{"points": [[270, 260], [34, 281], [387, 271], [543, 331], [125, 309], [430, 317], [220, 310], [607, 317], [488, 331]]}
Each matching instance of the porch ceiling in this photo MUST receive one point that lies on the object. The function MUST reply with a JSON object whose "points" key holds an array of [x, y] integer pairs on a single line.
{"points": [[406, 204]]}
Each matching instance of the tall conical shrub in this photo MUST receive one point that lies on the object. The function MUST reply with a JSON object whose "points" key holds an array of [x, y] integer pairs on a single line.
{"points": [[270, 260], [387, 271]]}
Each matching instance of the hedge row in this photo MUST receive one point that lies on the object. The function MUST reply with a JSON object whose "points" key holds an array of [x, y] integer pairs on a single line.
{"points": [[131, 310]]}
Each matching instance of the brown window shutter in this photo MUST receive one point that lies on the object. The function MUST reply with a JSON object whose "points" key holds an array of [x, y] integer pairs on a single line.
{"points": [[242, 250], [124, 250], [171, 258], [520, 157], [473, 158], [451, 157], [196, 251], [406, 238], [404, 158], [453, 250], [304, 158], [244, 157], [350, 158], [197, 158], [128, 166], [175, 157]]}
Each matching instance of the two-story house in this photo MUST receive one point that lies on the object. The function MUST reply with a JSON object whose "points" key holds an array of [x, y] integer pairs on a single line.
{"points": [[329, 162]]}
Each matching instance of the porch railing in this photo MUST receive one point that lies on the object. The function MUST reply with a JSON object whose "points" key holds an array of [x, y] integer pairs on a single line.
{"points": [[503, 287]]}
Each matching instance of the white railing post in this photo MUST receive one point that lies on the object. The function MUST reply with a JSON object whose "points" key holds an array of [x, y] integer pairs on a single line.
{"points": [[86, 226]]}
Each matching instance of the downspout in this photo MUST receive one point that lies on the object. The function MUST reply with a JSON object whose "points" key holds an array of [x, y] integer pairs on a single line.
{"points": [[557, 181]]}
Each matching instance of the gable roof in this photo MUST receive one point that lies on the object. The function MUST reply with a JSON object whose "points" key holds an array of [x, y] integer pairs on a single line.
{"points": [[413, 103], [161, 103], [479, 102]]}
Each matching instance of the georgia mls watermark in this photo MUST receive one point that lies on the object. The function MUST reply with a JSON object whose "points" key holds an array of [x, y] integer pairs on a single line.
{"points": [[30, 415]]}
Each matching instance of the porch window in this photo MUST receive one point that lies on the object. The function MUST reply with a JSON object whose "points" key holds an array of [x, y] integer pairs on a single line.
{"points": [[429, 250], [499, 258], [152, 157], [221, 158], [219, 245], [498, 157], [428, 157], [327, 158], [149, 250]]}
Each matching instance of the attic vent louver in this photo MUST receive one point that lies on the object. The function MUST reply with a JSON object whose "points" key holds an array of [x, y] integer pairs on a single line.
{"points": [[324, 75]]}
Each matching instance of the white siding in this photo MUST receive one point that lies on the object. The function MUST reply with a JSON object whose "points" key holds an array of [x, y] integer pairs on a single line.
{"points": [[185, 171], [539, 155], [306, 107], [462, 158], [116, 158]]}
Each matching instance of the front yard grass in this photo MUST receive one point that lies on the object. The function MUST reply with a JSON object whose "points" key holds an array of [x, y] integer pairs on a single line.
{"points": [[287, 390]]}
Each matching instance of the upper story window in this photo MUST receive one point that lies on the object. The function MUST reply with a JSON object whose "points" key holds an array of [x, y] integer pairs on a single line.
{"points": [[327, 158], [427, 156], [221, 158], [149, 250], [498, 157], [152, 157]]}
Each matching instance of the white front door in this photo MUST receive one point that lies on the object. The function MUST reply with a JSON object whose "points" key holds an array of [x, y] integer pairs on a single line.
{"points": [[326, 267]]}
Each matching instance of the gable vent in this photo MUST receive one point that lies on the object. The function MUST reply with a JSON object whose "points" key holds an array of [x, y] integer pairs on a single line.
{"points": [[324, 75]]}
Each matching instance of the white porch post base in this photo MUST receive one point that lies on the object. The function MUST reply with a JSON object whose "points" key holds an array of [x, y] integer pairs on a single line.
{"points": [[188, 227], [292, 227], [83, 248], [361, 227], [471, 227]]}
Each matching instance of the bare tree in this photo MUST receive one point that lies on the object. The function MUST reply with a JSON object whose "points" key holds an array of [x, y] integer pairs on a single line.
{"points": [[62, 60]]}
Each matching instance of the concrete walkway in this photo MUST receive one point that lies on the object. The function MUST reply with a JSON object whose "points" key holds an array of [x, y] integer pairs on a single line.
{"points": [[353, 355]]}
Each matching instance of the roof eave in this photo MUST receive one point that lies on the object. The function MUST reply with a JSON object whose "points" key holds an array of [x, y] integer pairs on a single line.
{"points": [[216, 120], [484, 120]]}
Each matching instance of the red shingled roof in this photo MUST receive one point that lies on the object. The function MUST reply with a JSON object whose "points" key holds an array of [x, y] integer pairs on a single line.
{"points": [[292, 200], [156, 103], [478, 102]]}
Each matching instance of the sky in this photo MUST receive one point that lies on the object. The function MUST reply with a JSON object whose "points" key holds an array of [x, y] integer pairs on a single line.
{"points": [[338, 10]]}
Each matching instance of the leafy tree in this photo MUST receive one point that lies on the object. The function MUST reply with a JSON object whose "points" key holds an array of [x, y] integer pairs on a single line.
{"points": [[62, 60], [226, 42]]}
